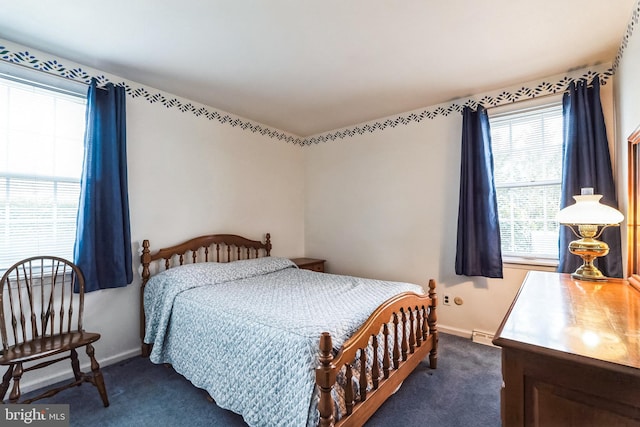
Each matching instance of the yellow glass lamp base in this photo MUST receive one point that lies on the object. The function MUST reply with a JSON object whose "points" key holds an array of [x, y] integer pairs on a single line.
{"points": [[588, 249]]}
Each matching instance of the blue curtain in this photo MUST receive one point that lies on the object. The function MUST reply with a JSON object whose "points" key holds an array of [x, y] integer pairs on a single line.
{"points": [[478, 250], [586, 162], [103, 239]]}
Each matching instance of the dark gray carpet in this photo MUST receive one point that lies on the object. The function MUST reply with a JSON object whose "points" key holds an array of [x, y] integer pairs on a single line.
{"points": [[463, 391]]}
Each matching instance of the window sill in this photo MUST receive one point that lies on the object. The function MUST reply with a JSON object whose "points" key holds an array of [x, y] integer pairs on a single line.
{"points": [[530, 263]]}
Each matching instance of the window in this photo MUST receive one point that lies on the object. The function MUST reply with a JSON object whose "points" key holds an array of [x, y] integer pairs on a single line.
{"points": [[527, 154], [41, 154]]}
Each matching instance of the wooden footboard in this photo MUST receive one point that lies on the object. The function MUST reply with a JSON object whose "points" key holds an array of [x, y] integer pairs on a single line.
{"points": [[406, 325]]}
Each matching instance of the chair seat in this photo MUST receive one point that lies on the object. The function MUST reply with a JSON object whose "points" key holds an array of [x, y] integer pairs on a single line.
{"points": [[47, 346]]}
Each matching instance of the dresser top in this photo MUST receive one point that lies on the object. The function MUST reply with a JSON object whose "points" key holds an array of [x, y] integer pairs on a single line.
{"points": [[598, 322]]}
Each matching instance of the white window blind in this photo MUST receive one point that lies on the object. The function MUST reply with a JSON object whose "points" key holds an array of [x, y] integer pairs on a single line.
{"points": [[41, 152], [527, 150]]}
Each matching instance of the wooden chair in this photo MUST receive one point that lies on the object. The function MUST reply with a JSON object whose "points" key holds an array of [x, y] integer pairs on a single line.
{"points": [[41, 308]]}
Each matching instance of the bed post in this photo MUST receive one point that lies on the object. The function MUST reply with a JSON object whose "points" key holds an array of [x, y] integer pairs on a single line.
{"points": [[268, 244], [145, 259], [325, 379], [433, 329]]}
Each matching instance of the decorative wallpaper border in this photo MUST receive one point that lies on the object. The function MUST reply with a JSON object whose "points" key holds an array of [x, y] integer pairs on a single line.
{"points": [[55, 67], [500, 98], [536, 89], [627, 35]]}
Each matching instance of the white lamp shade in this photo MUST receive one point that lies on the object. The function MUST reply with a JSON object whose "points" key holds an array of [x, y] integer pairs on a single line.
{"points": [[589, 211]]}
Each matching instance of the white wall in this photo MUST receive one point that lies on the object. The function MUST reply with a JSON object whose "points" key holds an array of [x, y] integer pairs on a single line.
{"points": [[384, 204], [189, 176]]}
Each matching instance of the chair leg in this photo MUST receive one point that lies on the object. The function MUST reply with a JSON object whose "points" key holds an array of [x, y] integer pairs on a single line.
{"points": [[75, 365], [6, 380], [15, 391], [97, 375]]}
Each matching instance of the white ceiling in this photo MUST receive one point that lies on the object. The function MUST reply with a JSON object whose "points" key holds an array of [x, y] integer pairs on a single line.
{"points": [[311, 66]]}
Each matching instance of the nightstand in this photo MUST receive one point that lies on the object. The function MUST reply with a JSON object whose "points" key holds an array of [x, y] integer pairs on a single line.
{"points": [[310, 264]]}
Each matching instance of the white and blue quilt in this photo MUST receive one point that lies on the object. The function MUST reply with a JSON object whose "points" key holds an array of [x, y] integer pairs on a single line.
{"points": [[247, 331]]}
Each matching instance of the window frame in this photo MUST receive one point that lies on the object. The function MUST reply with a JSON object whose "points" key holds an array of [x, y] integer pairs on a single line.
{"points": [[42, 81], [522, 107]]}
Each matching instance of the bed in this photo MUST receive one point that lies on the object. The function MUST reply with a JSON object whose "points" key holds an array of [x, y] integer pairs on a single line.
{"points": [[278, 344]]}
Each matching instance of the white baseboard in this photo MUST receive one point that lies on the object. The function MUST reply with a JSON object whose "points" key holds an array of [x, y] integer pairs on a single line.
{"points": [[464, 333], [30, 384], [477, 336], [482, 337]]}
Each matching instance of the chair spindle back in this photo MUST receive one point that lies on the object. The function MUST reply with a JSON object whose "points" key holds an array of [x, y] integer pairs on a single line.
{"points": [[40, 297]]}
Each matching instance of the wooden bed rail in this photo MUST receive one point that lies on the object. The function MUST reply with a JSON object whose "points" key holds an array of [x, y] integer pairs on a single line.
{"points": [[412, 320], [228, 247]]}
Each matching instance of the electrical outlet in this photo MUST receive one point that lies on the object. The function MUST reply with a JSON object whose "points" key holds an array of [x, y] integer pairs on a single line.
{"points": [[446, 300]]}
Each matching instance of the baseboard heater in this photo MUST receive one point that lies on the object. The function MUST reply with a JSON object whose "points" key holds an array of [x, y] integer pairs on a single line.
{"points": [[481, 337]]}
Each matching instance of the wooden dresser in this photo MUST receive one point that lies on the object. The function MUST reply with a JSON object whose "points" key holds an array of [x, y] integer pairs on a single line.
{"points": [[571, 353]]}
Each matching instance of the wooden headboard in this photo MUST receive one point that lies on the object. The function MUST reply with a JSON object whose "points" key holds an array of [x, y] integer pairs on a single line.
{"points": [[231, 246], [213, 247]]}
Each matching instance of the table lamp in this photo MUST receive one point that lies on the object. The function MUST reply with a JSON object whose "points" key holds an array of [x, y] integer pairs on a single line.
{"points": [[589, 217]]}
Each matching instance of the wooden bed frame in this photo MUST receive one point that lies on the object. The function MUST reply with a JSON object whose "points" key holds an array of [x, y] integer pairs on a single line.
{"points": [[406, 323]]}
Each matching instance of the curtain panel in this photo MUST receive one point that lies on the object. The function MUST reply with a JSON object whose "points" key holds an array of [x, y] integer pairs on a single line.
{"points": [[103, 238], [478, 251], [587, 163]]}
